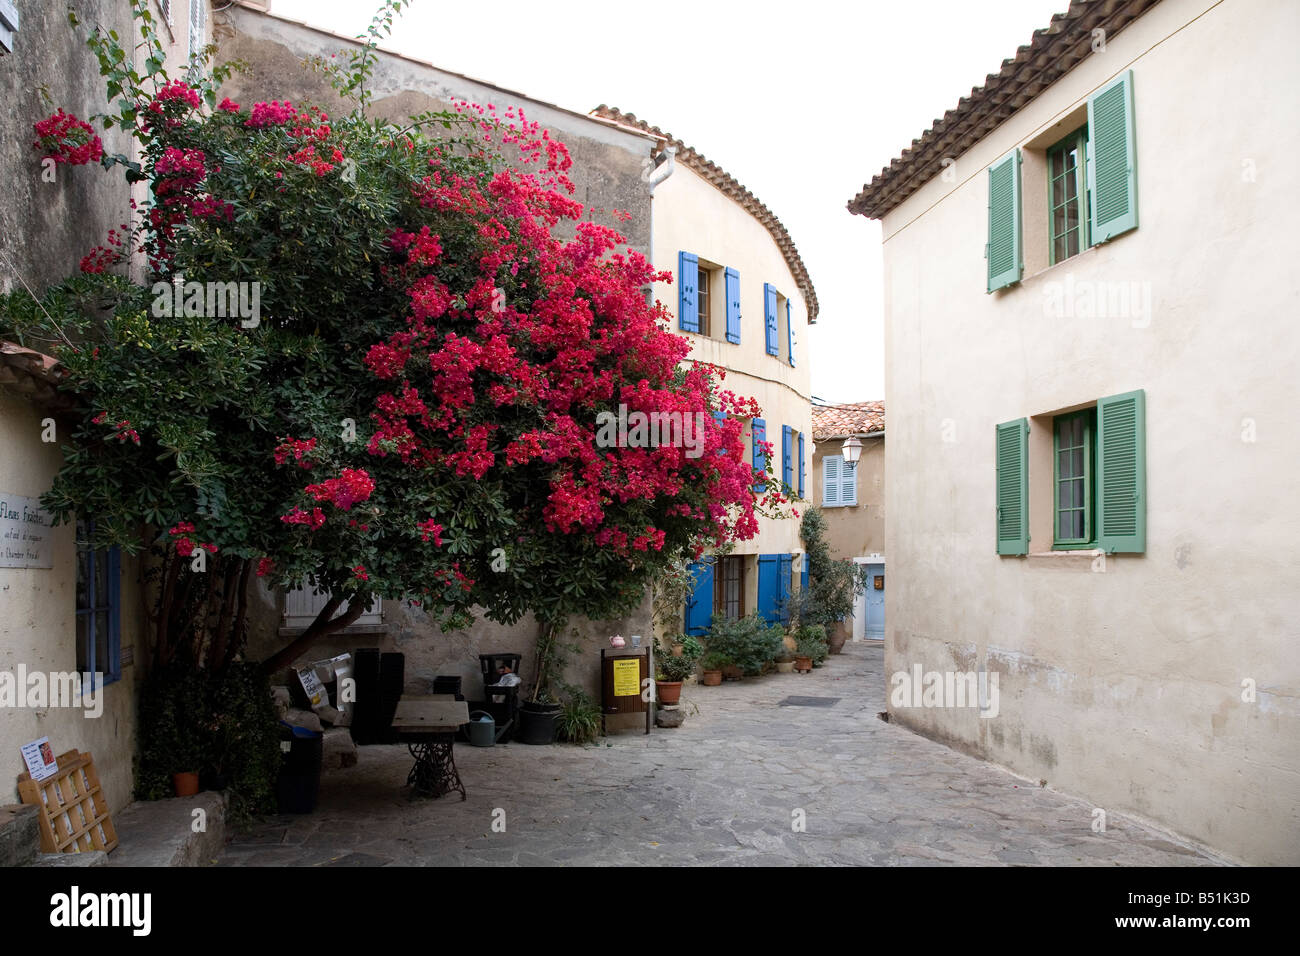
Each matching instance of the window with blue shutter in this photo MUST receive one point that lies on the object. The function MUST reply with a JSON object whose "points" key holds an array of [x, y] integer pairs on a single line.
{"points": [[733, 306], [787, 457], [699, 606], [789, 331], [1112, 159], [1003, 250], [759, 429], [831, 467], [802, 467], [769, 586], [688, 281], [718, 419], [803, 583], [769, 317]]}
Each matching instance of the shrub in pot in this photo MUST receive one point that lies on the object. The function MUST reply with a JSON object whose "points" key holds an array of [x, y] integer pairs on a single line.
{"points": [[711, 666], [811, 646], [672, 670], [785, 662]]}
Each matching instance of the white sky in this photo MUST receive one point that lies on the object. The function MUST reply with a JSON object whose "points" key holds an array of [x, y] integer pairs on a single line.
{"points": [[801, 111]]}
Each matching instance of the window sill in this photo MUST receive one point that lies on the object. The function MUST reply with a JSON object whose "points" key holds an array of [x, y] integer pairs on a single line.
{"points": [[1081, 559], [295, 631]]}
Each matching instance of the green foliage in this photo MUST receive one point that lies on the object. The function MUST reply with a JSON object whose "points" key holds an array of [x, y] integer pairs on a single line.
{"points": [[192, 719], [810, 641], [833, 586], [579, 719], [675, 668], [747, 642], [715, 661]]}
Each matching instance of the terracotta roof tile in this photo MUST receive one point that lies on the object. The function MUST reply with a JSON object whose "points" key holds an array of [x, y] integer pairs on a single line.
{"points": [[854, 418], [720, 178], [33, 375], [1053, 52]]}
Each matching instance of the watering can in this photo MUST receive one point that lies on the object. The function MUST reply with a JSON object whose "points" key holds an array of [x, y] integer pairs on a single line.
{"points": [[482, 729]]}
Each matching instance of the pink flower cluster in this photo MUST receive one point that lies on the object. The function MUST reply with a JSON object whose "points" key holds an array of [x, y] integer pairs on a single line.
{"points": [[352, 485], [66, 139], [299, 449]]}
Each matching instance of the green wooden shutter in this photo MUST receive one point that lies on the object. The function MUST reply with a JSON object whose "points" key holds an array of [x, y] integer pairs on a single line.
{"points": [[1121, 473], [1112, 160], [688, 281], [1012, 455], [1003, 250]]}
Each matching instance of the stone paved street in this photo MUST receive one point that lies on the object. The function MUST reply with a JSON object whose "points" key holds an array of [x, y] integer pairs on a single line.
{"points": [[719, 790]]}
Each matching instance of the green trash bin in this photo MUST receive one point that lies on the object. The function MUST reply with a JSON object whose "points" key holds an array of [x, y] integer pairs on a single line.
{"points": [[482, 729]]}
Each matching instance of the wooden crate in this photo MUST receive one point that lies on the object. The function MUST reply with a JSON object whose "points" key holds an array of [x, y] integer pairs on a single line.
{"points": [[74, 815]]}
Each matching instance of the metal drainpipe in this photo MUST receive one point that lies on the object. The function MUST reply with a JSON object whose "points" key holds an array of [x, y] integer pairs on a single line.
{"points": [[658, 175]]}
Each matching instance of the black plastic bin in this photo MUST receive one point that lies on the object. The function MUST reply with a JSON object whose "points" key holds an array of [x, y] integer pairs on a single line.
{"points": [[298, 785]]}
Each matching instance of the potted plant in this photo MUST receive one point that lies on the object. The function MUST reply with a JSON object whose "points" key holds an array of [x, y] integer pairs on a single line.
{"points": [[810, 648], [785, 662], [672, 670], [539, 713], [711, 668], [579, 718]]}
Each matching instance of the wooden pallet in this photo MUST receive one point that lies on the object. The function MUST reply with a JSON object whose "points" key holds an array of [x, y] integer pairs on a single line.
{"points": [[74, 815]]}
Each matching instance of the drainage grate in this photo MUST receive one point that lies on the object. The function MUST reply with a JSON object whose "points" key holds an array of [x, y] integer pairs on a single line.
{"points": [[809, 702]]}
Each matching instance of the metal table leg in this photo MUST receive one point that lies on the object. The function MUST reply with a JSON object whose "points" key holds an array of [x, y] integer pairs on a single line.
{"points": [[434, 773]]}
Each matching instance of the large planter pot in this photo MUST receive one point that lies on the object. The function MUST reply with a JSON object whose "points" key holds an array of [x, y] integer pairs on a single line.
{"points": [[838, 637], [785, 667], [537, 723], [732, 672], [711, 678], [803, 664], [678, 649], [668, 691], [186, 784]]}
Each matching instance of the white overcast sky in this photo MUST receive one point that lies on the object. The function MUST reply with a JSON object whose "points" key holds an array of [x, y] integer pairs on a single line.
{"points": [[802, 103]]}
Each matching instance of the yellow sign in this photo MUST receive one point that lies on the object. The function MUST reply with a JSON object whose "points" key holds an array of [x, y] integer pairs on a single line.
{"points": [[627, 677]]}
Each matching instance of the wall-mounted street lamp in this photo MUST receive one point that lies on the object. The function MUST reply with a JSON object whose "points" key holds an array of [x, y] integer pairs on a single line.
{"points": [[851, 450]]}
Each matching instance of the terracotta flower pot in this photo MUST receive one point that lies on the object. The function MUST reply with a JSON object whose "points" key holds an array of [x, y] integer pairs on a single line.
{"points": [[711, 678], [732, 672], [803, 664], [678, 649], [668, 691], [186, 784]]}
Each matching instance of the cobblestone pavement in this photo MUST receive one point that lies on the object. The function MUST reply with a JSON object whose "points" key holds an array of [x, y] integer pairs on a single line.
{"points": [[722, 789]]}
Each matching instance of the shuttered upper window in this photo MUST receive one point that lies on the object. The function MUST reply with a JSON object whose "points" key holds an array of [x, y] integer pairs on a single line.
{"points": [[1067, 189], [839, 482]]}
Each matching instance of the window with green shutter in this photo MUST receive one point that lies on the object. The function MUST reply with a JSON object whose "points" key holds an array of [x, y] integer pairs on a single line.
{"points": [[1121, 473], [1073, 438], [1112, 159], [1011, 453], [1003, 250], [1067, 196]]}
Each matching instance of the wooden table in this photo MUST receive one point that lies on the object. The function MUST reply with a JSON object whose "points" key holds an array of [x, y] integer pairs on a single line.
{"points": [[428, 725]]}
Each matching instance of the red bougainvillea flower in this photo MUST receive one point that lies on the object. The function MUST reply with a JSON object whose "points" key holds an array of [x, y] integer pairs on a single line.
{"points": [[300, 450], [430, 529], [66, 139], [352, 485], [265, 566], [359, 572]]}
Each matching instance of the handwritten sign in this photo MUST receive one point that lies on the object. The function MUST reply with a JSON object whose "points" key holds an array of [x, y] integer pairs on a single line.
{"points": [[627, 677], [40, 759], [26, 540]]}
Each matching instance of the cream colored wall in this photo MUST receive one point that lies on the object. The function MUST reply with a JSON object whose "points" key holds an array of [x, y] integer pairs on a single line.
{"points": [[855, 530], [692, 215], [1125, 686], [38, 629]]}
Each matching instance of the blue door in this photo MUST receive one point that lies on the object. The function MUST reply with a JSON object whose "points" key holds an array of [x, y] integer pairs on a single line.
{"points": [[875, 630]]}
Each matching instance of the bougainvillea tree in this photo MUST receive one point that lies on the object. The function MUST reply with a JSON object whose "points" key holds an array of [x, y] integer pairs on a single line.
{"points": [[364, 358]]}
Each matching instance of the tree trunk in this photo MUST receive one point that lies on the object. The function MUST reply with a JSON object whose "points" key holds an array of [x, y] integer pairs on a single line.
{"points": [[324, 625]]}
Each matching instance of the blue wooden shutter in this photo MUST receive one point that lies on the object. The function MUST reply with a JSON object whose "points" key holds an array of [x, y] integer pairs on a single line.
{"points": [[832, 465], [768, 586], [718, 419], [803, 583], [789, 331], [1003, 250], [769, 316], [1112, 160], [688, 281], [784, 567], [1121, 473], [759, 429], [733, 306], [787, 456], [1011, 452], [802, 467], [699, 606]]}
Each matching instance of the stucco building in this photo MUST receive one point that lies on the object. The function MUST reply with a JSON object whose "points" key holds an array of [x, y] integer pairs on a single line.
{"points": [[743, 298], [1090, 360], [852, 499]]}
